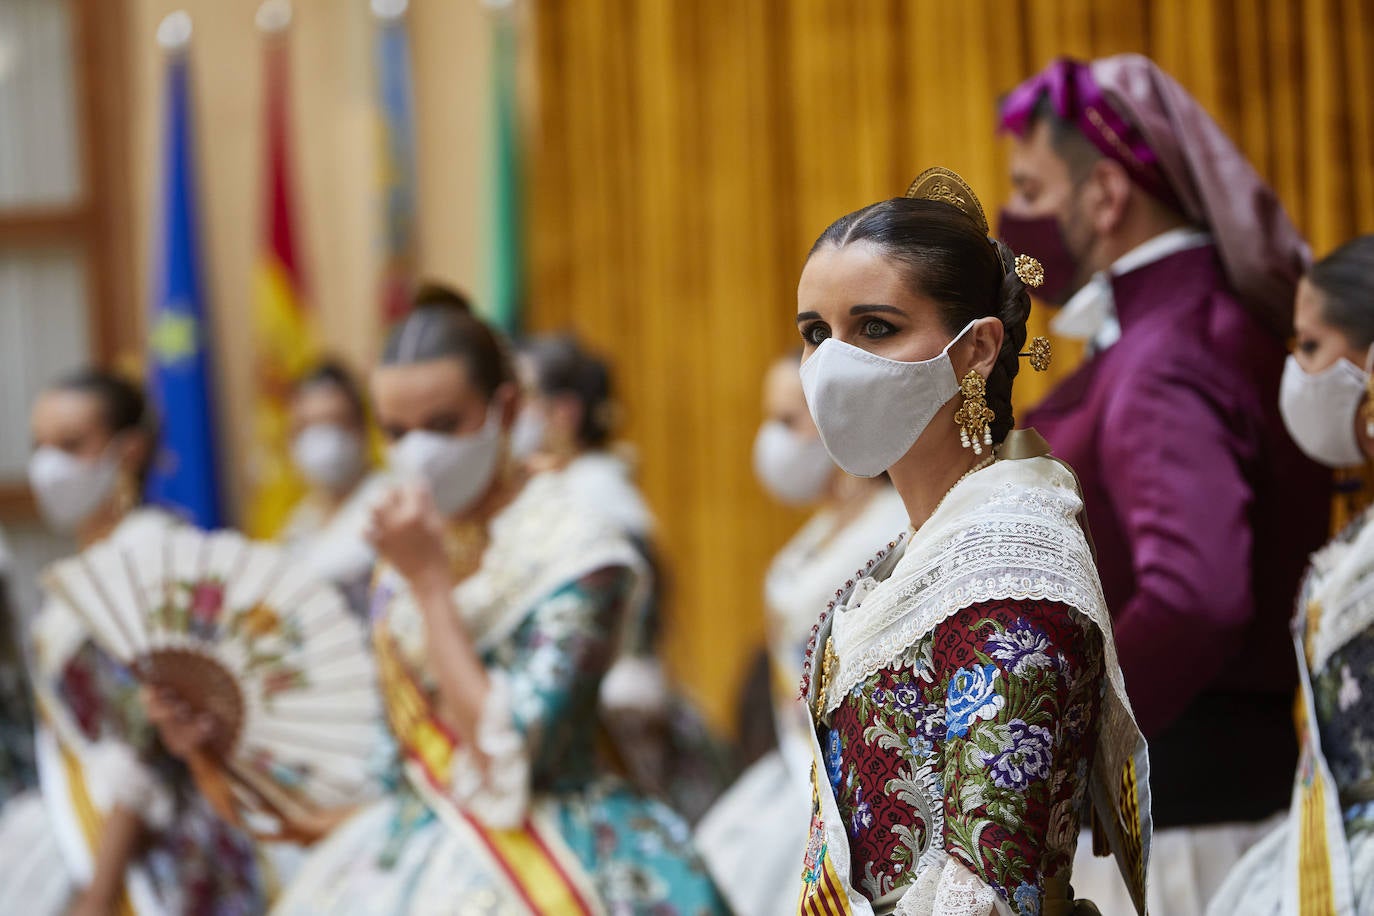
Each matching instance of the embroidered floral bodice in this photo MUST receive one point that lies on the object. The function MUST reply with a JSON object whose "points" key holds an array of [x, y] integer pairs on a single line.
{"points": [[977, 740]]}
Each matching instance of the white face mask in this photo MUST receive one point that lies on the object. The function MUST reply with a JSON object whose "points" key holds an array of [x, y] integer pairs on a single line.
{"points": [[329, 456], [1319, 410], [795, 469], [458, 468], [870, 410], [68, 489], [527, 434]]}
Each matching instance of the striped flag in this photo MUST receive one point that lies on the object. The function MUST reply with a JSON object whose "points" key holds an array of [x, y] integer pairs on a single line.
{"points": [[284, 331]]}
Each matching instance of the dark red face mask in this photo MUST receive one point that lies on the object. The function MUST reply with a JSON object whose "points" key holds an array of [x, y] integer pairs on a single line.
{"points": [[1042, 237]]}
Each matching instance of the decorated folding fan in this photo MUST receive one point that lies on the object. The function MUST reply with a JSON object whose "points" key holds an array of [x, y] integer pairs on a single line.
{"points": [[240, 631]]}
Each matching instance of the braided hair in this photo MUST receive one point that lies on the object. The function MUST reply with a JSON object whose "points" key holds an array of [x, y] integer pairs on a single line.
{"points": [[946, 257]]}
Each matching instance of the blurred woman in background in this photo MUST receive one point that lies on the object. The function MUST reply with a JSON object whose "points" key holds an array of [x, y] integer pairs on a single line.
{"points": [[495, 617], [1322, 858], [755, 834], [132, 833], [566, 425], [329, 448]]}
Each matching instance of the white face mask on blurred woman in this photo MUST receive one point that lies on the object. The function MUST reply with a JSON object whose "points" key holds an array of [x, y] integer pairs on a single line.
{"points": [[793, 468], [458, 469], [1319, 410], [527, 435], [68, 489], [329, 456]]}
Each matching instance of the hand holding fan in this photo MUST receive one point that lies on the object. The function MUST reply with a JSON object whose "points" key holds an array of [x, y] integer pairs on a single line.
{"points": [[239, 632]]}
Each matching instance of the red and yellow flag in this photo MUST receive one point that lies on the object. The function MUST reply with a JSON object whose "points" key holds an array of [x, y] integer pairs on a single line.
{"points": [[284, 327]]}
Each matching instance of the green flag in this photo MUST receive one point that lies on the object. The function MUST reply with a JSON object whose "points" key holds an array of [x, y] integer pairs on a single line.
{"points": [[505, 262]]}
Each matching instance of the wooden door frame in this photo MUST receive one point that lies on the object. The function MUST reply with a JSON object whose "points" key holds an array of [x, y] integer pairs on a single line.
{"points": [[100, 219]]}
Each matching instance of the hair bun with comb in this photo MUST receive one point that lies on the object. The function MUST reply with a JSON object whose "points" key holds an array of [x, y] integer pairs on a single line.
{"points": [[949, 187]]}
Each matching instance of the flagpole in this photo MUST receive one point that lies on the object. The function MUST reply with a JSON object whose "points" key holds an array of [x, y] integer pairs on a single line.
{"points": [[397, 195]]}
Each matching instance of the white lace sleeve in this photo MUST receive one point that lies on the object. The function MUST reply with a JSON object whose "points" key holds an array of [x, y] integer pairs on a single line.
{"points": [[491, 778], [950, 890], [116, 777]]}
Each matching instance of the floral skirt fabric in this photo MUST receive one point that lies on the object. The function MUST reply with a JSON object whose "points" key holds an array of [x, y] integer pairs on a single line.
{"points": [[396, 856]]}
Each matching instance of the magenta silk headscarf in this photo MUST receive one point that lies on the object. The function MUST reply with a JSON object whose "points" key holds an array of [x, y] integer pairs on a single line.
{"points": [[1139, 116]]}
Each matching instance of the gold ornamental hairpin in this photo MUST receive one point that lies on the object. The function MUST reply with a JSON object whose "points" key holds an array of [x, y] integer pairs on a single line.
{"points": [[1030, 271], [948, 187], [1039, 353]]}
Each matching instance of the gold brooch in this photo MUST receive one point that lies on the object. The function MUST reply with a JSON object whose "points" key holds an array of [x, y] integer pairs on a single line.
{"points": [[1039, 352], [1029, 270]]}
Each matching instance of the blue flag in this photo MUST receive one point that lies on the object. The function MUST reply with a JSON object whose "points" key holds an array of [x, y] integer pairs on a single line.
{"points": [[185, 475]]}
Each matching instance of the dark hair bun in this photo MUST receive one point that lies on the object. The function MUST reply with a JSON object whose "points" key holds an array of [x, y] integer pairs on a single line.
{"points": [[564, 366], [443, 325], [438, 295]]}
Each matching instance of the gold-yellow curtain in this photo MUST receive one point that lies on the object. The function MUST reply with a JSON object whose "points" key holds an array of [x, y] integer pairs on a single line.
{"points": [[685, 156]]}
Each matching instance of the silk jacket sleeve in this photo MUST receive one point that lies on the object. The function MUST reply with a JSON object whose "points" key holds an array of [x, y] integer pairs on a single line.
{"points": [[1175, 456]]}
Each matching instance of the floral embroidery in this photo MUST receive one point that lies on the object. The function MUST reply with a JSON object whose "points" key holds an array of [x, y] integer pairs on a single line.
{"points": [[1022, 646], [972, 696], [833, 759], [1350, 690], [1023, 754], [1027, 899], [976, 742]]}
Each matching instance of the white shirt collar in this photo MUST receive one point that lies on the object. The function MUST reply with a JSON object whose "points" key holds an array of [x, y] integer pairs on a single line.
{"points": [[1090, 314]]}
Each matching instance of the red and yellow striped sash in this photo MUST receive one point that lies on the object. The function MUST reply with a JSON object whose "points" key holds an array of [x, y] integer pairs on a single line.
{"points": [[527, 858]]}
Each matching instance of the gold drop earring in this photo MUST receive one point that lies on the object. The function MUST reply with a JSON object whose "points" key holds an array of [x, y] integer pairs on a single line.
{"points": [[974, 417]]}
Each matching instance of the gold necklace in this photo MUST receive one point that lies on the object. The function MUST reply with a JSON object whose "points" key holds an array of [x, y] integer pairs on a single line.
{"points": [[985, 463], [830, 660]]}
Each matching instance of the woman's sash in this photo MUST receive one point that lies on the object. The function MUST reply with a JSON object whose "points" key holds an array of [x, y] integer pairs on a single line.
{"points": [[1315, 856], [532, 860]]}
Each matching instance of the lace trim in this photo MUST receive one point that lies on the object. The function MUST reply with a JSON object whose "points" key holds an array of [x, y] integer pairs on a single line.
{"points": [[491, 779], [1024, 544], [948, 890]]}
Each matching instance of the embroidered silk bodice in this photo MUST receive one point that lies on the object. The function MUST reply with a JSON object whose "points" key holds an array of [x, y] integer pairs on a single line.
{"points": [[976, 741], [1336, 621]]}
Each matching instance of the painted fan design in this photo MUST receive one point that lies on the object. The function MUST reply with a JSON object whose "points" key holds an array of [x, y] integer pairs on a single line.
{"points": [[239, 630]]}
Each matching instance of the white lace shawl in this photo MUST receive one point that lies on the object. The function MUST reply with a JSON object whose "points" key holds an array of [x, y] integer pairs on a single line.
{"points": [[1009, 532]]}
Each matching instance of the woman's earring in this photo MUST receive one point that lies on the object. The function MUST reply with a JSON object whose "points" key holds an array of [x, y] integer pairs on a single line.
{"points": [[974, 417]]}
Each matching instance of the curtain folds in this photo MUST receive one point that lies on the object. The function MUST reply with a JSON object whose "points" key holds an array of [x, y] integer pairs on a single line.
{"points": [[685, 155]]}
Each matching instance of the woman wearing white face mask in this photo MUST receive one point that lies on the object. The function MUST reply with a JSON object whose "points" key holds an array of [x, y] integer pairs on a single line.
{"points": [[130, 831], [1322, 858], [755, 834], [494, 616], [963, 684], [329, 449]]}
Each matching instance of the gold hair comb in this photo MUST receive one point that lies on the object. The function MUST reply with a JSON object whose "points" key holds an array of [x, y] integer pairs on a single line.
{"points": [[948, 187], [1039, 353]]}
